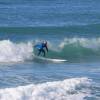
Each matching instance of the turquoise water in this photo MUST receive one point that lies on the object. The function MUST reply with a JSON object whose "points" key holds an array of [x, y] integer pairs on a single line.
{"points": [[71, 29]]}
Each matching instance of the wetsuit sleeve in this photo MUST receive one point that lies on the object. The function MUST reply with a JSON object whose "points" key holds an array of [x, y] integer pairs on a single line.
{"points": [[38, 46], [46, 48]]}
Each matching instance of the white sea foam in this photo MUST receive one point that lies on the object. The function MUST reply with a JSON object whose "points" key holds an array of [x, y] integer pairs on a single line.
{"points": [[12, 52], [93, 43], [68, 89]]}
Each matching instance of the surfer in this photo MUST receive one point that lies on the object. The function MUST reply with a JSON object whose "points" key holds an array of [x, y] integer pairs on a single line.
{"points": [[41, 47]]}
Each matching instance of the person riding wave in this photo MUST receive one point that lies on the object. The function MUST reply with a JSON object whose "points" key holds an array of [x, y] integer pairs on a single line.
{"points": [[41, 47]]}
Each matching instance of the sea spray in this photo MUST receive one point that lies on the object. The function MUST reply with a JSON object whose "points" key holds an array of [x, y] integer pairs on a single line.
{"points": [[12, 52]]}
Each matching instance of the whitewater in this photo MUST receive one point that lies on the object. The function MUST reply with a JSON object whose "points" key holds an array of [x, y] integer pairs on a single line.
{"points": [[59, 90], [12, 52]]}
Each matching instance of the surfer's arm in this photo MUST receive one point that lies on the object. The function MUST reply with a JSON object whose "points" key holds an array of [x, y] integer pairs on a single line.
{"points": [[46, 48]]}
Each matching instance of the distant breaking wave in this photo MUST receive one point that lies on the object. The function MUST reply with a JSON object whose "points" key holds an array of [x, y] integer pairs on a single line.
{"points": [[71, 49], [68, 89]]}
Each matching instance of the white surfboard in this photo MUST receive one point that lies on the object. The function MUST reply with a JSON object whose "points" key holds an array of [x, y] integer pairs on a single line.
{"points": [[49, 59]]}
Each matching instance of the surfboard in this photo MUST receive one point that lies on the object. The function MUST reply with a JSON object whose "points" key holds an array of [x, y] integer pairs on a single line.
{"points": [[50, 59]]}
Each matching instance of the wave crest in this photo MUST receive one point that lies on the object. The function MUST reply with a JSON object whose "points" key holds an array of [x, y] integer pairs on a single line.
{"points": [[77, 49], [12, 52]]}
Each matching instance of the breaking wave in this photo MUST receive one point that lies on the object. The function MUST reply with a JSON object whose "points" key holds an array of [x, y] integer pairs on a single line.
{"points": [[77, 48], [12, 52], [71, 49], [68, 89]]}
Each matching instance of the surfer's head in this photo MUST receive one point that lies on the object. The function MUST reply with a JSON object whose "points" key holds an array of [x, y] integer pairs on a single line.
{"points": [[45, 42]]}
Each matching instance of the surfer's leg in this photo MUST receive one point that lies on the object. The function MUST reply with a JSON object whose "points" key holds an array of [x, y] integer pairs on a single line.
{"points": [[39, 52], [43, 52]]}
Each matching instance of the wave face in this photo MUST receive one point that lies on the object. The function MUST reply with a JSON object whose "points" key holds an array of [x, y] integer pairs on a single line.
{"points": [[69, 89], [77, 48], [72, 49], [12, 52]]}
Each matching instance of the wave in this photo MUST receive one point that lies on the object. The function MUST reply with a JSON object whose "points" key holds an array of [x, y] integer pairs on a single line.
{"points": [[68, 89], [72, 49], [12, 52], [77, 49]]}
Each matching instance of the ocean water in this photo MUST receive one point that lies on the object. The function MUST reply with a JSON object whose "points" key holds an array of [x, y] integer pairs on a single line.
{"points": [[72, 30]]}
